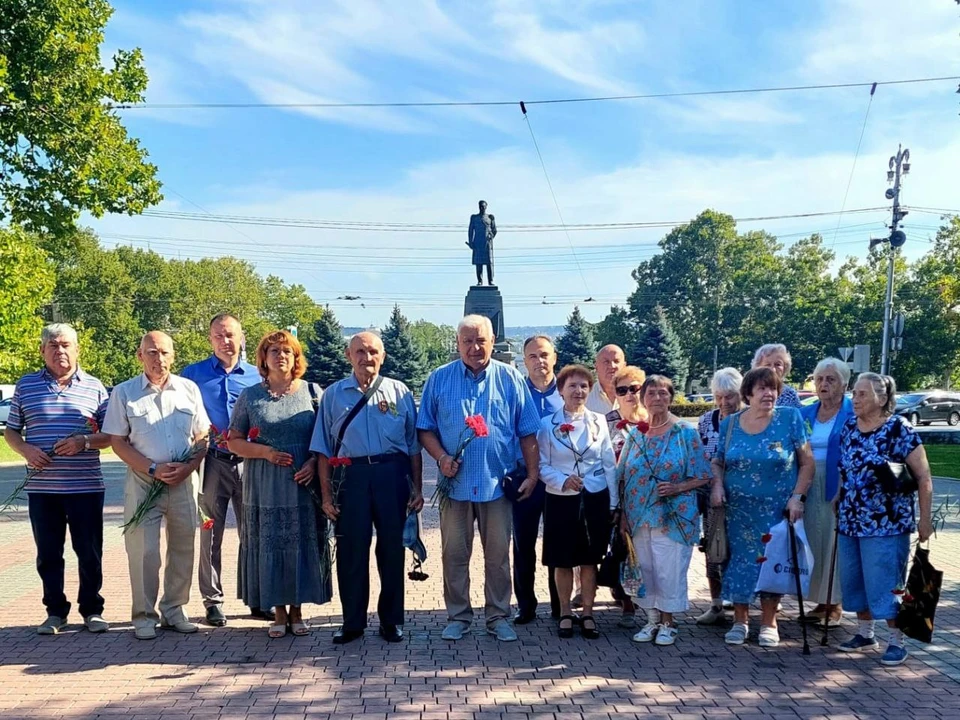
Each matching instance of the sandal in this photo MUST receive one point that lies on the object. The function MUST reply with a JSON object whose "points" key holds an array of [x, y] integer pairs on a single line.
{"points": [[300, 628], [276, 631], [590, 633], [565, 632]]}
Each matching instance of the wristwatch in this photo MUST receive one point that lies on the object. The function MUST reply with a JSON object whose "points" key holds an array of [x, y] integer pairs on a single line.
{"points": [[151, 471], [801, 497], [86, 442]]}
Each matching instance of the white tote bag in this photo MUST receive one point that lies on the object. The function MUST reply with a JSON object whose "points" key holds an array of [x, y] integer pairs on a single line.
{"points": [[777, 572]]}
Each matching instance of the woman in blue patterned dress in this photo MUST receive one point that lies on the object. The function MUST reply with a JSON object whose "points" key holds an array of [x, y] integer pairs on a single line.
{"points": [[764, 467], [876, 511], [659, 473]]}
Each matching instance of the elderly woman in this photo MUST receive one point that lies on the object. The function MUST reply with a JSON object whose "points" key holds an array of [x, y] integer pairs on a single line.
{"points": [[876, 511], [629, 412], [578, 467], [660, 471], [284, 556], [776, 357], [725, 386], [824, 419], [763, 464]]}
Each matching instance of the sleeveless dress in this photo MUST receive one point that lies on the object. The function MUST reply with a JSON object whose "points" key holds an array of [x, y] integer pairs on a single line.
{"points": [[284, 552]]}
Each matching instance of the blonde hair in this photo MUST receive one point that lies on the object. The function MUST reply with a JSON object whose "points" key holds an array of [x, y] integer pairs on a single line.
{"points": [[281, 337]]}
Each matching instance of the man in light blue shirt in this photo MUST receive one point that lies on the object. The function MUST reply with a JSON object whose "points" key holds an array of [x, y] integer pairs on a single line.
{"points": [[477, 385], [381, 485], [221, 378]]}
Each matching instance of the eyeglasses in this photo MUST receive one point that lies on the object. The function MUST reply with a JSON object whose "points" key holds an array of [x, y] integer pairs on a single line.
{"points": [[632, 389]]}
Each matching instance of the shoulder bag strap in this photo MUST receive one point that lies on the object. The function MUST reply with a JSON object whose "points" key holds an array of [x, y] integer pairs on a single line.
{"points": [[726, 442], [354, 411]]}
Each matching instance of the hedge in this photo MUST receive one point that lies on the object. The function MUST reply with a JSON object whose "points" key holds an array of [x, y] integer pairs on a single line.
{"points": [[691, 409]]}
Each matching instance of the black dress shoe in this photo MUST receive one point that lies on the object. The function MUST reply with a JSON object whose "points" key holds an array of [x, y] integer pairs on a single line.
{"points": [[259, 614], [391, 633], [524, 618], [215, 616], [342, 637]]}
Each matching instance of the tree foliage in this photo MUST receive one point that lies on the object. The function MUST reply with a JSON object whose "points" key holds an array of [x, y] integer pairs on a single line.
{"points": [[658, 351], [617, 328], [63, 148], [576, 345], [326, 361], [405, 359], [438, 341], [26, 283]]}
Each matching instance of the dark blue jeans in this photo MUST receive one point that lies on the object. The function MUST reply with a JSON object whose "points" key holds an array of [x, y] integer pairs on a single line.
{"points": [[526, 528], [50, 516]]}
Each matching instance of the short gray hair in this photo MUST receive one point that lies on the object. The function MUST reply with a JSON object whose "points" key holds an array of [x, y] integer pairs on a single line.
{"points": [[57, 330], [884, 387], [836, 365], [770, 349], [726, 380], [475, 322]]}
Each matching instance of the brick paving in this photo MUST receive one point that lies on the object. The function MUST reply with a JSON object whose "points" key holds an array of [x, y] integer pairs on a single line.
{"points": [[237, 672]]}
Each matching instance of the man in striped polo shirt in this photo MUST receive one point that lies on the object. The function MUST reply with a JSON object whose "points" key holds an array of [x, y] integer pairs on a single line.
{"points": [[55, 419]]}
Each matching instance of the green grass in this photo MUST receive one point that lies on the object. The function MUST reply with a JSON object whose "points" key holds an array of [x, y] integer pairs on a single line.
{"points": [[8, 455], [944, 460]]}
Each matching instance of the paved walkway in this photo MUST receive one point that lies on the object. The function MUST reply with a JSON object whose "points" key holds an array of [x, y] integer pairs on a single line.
{"points": [[237, 672]]}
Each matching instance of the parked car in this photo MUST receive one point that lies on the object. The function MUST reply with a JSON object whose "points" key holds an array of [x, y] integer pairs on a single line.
{"points": [[923, 408], [700, 397], [4, 411]]}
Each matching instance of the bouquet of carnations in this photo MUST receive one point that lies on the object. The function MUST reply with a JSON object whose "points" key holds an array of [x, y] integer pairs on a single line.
{"points": [[474, 426], [156, 489]]}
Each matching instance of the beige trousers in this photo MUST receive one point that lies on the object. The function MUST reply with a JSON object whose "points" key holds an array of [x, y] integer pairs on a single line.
{"points": [[178, 506], [494, 520]]}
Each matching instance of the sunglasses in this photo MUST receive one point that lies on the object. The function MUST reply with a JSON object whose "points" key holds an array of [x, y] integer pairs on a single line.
{"points": [[632, 389]]}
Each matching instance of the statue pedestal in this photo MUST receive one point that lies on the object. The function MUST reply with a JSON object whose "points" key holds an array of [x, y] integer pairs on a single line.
{"points": [[486, 300]]}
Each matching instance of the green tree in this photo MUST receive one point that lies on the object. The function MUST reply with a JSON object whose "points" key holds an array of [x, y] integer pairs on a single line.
{"points": [[576, 344], [405, 359], [437, 341], [658, 351], [63, 148], [326, 362], [617, 328], [26, 284]]}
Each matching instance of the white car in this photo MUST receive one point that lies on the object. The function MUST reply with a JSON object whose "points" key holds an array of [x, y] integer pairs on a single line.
{"points": [[4, 411]]}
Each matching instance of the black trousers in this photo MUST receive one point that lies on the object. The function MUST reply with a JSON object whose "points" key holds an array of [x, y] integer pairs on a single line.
{"points": [[526, 528], [489, 273], [50, 516], [372, 496]]}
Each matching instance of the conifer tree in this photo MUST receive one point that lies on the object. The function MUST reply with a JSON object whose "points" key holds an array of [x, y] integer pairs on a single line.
{"points": [[658, 351], [326, 358], [406, 360], [576, 345]]}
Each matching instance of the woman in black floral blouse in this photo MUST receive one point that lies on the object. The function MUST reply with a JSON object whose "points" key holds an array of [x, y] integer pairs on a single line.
{"points": [[876, 511]]}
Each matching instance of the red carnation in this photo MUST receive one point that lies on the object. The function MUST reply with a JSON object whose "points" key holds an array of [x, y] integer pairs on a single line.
{"points": [[761, 559], [622, 424], [214, 429], [207, 524], [335, 462], [566, 428], [346, 462], [92, 425], [897, 591], [908, 598], [253, 434], [477, 424], [767, 537], [643, 426]]}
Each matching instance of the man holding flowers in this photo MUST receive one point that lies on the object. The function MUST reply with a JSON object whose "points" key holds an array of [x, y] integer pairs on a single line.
{"points": [[380, 484], [54, 423], [478, 385], [159, 428]]}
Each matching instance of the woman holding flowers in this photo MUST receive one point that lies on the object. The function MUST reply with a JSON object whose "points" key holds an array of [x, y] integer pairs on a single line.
{"points": [[876, 511], [762, 466], [285, 559], [659, 472], [578, 467]]}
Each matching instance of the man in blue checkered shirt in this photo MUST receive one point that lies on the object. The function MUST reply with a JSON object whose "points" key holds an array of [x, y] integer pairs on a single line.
{"points": [[478, 385]]}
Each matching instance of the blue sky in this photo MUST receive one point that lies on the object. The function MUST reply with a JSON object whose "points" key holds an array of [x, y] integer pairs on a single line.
{"points": [[647, 160]]}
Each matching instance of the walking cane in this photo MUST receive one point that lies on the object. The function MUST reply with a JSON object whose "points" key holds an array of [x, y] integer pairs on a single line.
{"points": [[833, 568], [796, 572]]}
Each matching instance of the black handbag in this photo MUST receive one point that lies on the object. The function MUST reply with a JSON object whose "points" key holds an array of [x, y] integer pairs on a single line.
{"points": [[512, 481], [609, 573], [919, 601], [896, 479]]}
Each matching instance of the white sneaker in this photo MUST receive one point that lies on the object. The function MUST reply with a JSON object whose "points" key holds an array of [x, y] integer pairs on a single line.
{"points": [[666, 635], [647, 633], [712, 616], [769, 636], [737, 635]]}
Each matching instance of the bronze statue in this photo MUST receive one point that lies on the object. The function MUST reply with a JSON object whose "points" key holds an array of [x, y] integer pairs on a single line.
{"points": [[480, 235]]}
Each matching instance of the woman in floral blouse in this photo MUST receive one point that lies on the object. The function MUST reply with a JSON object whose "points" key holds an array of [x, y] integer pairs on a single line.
{"points": [[876, 511], [659, 473]]}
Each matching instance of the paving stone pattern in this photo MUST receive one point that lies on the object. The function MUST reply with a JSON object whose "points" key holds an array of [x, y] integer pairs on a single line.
{"points": [[237, 672]]}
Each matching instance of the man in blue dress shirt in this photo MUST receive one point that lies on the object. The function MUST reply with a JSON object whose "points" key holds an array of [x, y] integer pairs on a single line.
{"points": [[540, 359], [478, 385], [381, 485], [221, 378]]}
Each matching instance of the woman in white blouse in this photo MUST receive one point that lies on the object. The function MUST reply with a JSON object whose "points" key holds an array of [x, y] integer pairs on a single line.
{"points": [[578, 467]]}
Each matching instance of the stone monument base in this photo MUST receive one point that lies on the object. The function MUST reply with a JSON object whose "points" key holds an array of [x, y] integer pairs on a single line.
{"points": [[486, 300]]}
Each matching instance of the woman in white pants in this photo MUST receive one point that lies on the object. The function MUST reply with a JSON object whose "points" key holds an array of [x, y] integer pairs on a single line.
{"points": [[659, 472]]}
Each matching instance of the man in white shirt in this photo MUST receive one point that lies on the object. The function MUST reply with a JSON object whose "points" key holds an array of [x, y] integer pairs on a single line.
{"points": [[158, 427], [603, 396]]}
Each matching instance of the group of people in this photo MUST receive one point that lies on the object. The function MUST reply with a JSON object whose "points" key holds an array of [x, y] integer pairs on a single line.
{"points": [[592, 454]]}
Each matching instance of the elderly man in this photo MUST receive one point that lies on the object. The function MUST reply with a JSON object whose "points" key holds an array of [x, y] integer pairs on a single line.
{"points": [[477, 385], [54, 422], [603, 396], [221, 378], [540, 359], [159, 429], [372, 420]]}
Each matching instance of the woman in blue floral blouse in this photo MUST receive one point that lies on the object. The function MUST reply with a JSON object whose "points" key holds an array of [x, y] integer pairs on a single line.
{"points": [[876, 511]]}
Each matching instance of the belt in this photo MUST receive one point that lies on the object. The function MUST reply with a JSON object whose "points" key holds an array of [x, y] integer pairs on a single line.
{"points": [[379, 459], [227, 457]]}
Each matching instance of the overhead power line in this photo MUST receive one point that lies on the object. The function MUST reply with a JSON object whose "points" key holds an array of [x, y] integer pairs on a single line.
{"points": [[499, 103]]}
